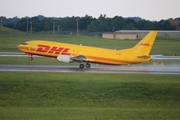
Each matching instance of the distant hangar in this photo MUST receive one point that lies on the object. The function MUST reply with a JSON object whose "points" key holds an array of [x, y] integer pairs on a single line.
{"points": [[137, 34]]}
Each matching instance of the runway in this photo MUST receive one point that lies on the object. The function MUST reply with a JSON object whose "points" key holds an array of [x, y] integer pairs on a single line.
{"points": [[171, 69], [134, 69]]}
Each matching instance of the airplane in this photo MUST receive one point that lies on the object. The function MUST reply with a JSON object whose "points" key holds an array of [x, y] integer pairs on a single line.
{"points": [[69, 53]]}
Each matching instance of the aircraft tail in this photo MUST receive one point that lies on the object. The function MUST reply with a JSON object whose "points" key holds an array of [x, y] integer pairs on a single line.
{"points": [[145, 45]]}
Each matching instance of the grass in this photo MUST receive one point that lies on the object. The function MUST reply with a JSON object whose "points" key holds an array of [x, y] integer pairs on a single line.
{"points": [[88, 114], [9, 32], [82, 96]]}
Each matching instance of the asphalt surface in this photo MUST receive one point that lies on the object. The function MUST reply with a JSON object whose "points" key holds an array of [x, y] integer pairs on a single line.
{"points": [[135, 69], [171, 69]]}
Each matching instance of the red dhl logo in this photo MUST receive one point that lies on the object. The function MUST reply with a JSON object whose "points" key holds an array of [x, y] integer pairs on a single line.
{"points": [[144, 44], [53, 50]]}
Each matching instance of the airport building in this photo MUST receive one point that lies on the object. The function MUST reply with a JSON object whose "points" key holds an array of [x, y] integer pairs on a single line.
{"points": [[137, 34]]}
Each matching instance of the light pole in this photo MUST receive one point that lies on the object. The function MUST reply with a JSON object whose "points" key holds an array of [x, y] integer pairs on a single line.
{"points": [[77, 27], [27, 28], [53, 26]]}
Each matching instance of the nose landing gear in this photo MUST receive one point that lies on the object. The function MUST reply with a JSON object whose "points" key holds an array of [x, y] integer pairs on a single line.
{"points": [[30, 58]]}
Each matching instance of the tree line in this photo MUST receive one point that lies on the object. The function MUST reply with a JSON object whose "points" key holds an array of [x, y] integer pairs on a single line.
{"points": [[86, 23]]}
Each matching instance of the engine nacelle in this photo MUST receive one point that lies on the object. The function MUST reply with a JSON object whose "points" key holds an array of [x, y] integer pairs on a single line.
{"points": [[64, 58]]}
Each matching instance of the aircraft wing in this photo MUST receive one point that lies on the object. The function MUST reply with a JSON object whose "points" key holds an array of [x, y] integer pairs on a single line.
{"points": [[80, 58]]}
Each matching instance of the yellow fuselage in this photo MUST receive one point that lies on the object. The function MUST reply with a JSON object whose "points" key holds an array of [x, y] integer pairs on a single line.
{"points": [[93, 54]]}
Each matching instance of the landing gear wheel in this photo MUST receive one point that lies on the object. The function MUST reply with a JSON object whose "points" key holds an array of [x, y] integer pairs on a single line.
{"points": [[31, 58], [81, 66], [88, 65]]}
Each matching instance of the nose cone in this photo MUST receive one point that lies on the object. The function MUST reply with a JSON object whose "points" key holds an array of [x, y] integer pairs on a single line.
{"points": [[19, 47], [23, 47]]}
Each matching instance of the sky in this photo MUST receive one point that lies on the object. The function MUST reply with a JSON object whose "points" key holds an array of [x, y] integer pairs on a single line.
{"points": [[153, 10]]}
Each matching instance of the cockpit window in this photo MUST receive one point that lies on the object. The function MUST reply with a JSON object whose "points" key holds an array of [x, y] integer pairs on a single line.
{"points": [[25, 43]]}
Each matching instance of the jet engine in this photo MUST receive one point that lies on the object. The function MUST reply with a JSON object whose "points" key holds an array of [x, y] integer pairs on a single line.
{"points": [[64, 58]]}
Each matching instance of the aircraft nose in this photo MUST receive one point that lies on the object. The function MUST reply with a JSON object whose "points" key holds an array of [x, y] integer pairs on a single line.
{"points": [[23, 47], [19, 46]]}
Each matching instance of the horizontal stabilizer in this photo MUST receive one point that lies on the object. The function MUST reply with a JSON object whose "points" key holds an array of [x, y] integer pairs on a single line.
{"points": [[144, 56]]}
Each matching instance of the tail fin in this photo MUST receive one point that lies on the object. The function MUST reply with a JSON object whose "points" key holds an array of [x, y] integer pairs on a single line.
{"points": [[145, 45]]}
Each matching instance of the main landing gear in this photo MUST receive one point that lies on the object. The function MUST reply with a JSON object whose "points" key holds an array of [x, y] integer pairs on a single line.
{"points": [[81, 66]]}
